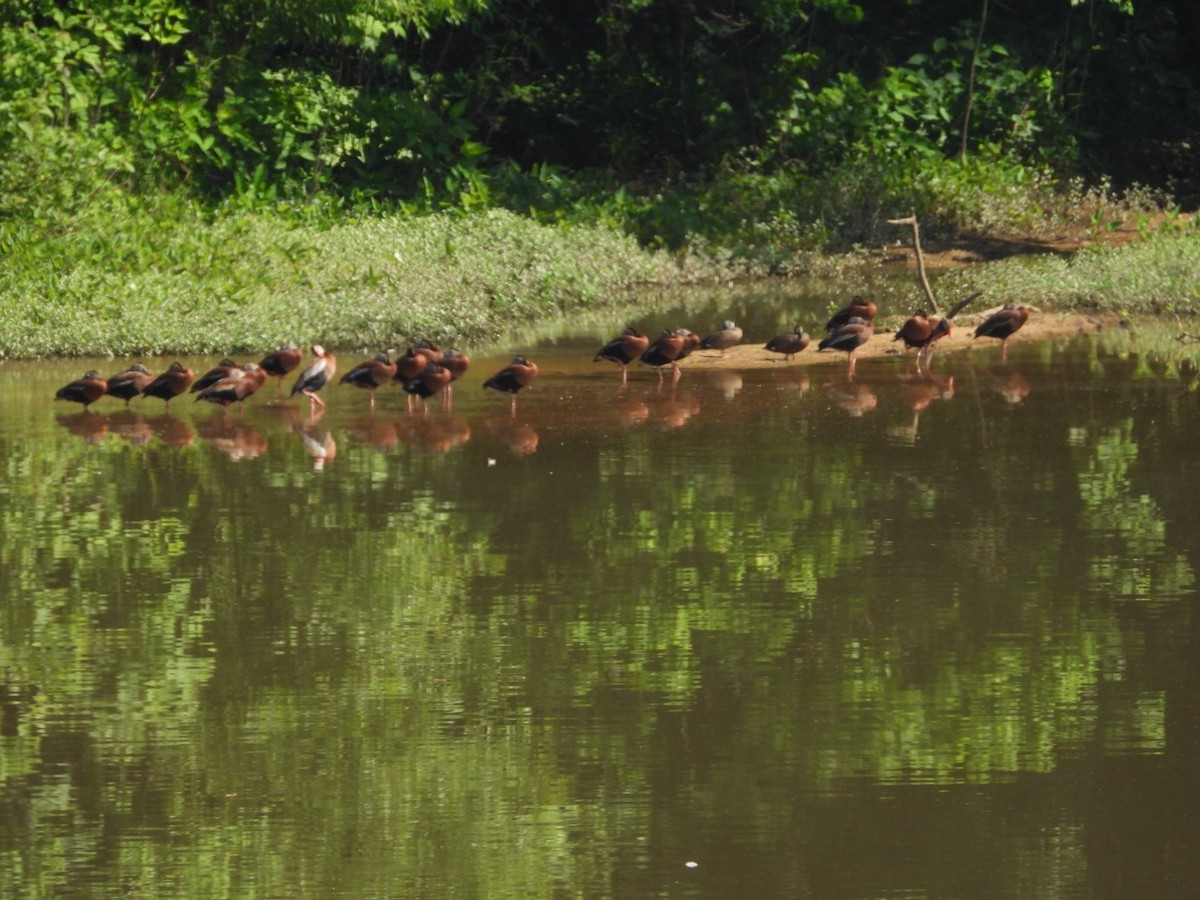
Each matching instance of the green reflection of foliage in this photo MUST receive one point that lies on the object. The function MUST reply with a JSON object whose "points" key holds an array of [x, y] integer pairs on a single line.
{"points": [[241, 679]]}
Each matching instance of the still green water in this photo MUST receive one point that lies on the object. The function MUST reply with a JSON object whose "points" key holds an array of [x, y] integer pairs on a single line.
{"points": [[760, 634]]}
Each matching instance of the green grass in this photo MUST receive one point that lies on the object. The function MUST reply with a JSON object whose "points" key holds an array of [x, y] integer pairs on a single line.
{"points": [[1159, 273], [245, 282]]}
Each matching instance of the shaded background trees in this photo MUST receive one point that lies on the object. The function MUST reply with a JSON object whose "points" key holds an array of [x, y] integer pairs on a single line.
{"points": [[463, 102]]}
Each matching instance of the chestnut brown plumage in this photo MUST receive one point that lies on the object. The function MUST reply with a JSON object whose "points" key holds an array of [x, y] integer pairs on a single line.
{"points": [[664, 351], [235, 387], [921, 331], [728, 336], [315, 376], [512, 378], [1002, 325], [857, 308], [433, 378], [213, 375], [171, 383], [371, 375], [130, 383], [848, 338], [788, 344], [457, 363], [86, 390], [624, 349], [281, 362]]}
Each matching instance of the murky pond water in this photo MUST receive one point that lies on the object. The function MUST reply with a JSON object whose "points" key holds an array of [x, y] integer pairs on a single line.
{"points": [[759, 634]]}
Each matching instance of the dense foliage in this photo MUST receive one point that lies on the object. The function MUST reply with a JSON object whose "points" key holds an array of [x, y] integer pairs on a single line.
{"points": [[428, 103]]}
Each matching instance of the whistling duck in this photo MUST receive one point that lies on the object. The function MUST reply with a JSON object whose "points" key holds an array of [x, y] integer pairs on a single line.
{"points": [[282, 362], [857, 308], [130, 383], [729, 336], [317, 374], [1003, 325], [922, 331], [371, 375], [235, 387], [691, 342], [848, 338], [86, 390], [624, 349], [516, 375], [433, 378], [170, 383], [457, 363], [788, 344], [665, 351], [215, 374]]}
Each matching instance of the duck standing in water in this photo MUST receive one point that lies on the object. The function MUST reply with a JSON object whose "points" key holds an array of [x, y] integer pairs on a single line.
{"points": [[371, 375], [86, 390], [848, 338], [130, 383], [665, 352], [281, 363], [171, 383], [512, 378], [316, 375], [624, 349], [1002, 325]]}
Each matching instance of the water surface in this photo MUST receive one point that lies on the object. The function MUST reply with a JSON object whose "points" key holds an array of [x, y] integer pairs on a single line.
{"points": [[759, 634]]}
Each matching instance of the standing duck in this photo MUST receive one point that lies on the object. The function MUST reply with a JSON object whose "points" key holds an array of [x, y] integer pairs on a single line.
{"points": [[371, 375], [848, 338], [215, 374], [86, 390], [433, 378], [729, 336], [788, 344], [171, 383], [282, 362], [857, 308], [457, 363], [130, 383], [235, 387], [317, 374], [516, 375], [624, 349], [663, 352], [1003, 325]]}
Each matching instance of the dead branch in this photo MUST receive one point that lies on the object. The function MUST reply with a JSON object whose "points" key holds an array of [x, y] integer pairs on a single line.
{"points": [[912, 220]]}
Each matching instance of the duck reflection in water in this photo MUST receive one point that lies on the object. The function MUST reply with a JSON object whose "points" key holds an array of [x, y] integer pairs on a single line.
{"points": [[434, 433], [854, 397], [919, 390], [317, 441], [374, 432], [630, 411], [132, 427], [1011, 386], [675, 410], [236, 439], [90, 426], [172, 431], [728, 382]]}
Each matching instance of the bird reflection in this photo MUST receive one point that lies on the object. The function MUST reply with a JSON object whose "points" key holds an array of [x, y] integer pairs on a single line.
{"points": [[918, 390], [793, 380], [631, 411], [374, 432], [854, 397], [317, 440], [132, 427], [674, 410], [172, 431], [88, 425], [729, 383], [1011, 386], [521, 439], [237, 439], [434, 433]]}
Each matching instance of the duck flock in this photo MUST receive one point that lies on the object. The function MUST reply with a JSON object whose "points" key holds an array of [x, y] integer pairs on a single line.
{"points": [[425, 370]]}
